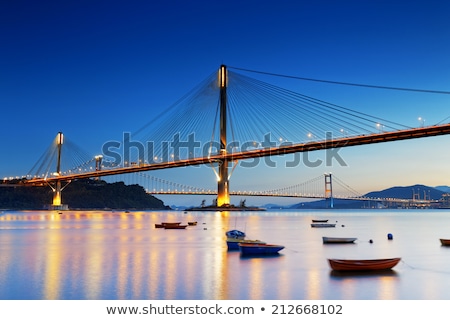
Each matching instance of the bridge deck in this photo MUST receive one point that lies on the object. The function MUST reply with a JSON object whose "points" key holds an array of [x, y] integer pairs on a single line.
{"points": [[406, 134]]}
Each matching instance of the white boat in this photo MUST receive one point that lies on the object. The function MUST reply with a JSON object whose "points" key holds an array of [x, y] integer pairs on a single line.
{"points": [[338, 240]]}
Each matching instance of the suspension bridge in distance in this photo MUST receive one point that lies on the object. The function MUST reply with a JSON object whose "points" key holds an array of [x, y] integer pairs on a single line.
{"points": [[326, 126], [319, 188]]}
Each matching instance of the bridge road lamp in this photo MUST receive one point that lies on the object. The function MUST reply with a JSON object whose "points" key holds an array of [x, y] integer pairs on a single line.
{"points": [[380, 127], [421, 121]]}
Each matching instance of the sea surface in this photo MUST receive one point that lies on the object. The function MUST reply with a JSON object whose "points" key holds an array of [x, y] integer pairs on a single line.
{"points": [[117, 255]]}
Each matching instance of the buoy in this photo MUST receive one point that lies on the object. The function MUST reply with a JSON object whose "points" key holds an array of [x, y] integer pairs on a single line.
{"points": [[389, 236], [370, 241]]}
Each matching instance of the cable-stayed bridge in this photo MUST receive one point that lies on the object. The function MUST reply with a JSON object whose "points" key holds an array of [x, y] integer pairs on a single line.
{"points": [[226, 120]]}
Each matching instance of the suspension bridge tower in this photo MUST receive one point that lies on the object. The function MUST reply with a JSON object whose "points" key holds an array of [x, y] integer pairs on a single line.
{"points": [[329, 188], [223, 194]]}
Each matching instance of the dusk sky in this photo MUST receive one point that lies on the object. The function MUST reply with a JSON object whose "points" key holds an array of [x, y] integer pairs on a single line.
{"points": [[95, 69]]}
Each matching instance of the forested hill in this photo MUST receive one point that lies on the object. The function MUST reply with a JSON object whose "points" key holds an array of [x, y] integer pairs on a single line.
{"points": [[419, 190], [82, 194]]}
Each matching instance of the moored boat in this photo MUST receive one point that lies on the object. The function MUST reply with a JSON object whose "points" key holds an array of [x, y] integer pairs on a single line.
{"points": [[192, 223], [338, 240], [445, 242], [323, 225], [170, 223], [175, 226], [236, 234], [164, 224], [319, 220], [233, 243], [259, 248], [363, 265]]}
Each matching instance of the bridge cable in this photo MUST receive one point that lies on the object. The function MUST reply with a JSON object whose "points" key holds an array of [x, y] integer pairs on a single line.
{"points": [[344, 83]]}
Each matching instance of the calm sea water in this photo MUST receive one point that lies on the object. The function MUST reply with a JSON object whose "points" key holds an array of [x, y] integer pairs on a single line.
{"points": [[103, 255]]}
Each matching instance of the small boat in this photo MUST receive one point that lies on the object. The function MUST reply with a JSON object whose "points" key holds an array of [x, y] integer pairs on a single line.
{"points": [[323, 225], [236, 234], [259, 248], [445, 242], [338, 240], [163, 224], [175, 226], [170, 223], [363, 265], [192, 223], [233, 243], [319, 221]]}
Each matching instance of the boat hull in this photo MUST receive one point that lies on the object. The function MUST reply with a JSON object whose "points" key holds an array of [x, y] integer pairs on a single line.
{"points": [[338, 240], [363, 265], [233, 243], [166, 224], [259, 249], [323, 225], [445, 242], [178, 226]]}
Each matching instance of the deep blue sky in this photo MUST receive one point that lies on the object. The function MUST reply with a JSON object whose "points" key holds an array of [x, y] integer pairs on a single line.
{"points": [[94, 69]]}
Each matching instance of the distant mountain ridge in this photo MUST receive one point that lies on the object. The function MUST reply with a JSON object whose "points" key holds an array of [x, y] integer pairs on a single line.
{"points": [[418, 191], [446, 189]]}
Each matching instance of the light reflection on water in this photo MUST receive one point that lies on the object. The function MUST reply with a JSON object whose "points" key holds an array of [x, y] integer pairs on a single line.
{"points": [[120, 255]]}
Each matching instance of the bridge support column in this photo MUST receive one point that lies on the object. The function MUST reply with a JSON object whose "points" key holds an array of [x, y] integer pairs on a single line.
{"points": [[329, 188], [223, 194], [57, 205]]}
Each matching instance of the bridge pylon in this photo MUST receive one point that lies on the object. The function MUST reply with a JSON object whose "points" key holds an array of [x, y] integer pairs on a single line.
{"points": [[329, 188], [57, 188], [223, 193]]}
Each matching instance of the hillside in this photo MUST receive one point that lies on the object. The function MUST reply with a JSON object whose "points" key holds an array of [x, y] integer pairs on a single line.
{"points": [[82, 194], [399, 192], [420, 191]]}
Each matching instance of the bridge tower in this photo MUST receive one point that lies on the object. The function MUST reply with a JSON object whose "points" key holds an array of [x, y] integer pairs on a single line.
{"points": [[329, 188], [57, 203], [223, 194]]}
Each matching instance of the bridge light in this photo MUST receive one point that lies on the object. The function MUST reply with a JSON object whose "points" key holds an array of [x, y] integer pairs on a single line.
{"points": [[422, 121], [60, 138], [380, 127]]}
